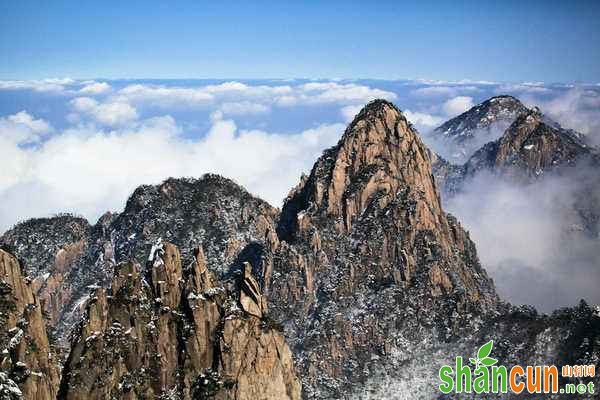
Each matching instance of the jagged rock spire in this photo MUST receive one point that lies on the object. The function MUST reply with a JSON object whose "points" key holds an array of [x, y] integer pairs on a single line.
{"points": [[168, 332]]}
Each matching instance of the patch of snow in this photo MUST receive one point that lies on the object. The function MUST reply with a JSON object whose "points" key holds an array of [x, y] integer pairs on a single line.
{"points": [[16, 339]]}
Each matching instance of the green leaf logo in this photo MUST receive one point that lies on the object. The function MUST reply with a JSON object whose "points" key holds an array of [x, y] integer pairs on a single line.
{"points": [[482, 356], [485, 350], [488, 361]]}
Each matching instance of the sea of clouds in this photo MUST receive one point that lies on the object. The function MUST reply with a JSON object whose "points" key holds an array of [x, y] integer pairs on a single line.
{"points": [[83, 146]]}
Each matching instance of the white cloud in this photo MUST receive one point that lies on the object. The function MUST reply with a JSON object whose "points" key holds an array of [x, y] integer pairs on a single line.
{"points": [[45, 85], [22, 128], [95, 88], [244, 108], [349, 112], [457, 105], [435, 82], [523, 88], [37, 126], [577, 109], [15, 131], [89, 171], [423, 119], [435, 91], [444, 91], [530, 234], [333, 92], [111, 113], [164, 96], [313, 93]]}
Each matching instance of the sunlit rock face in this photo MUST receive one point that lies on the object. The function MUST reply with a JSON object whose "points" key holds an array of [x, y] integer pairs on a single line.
{"points": [[369, 264], [165, 330], [29, 365]]}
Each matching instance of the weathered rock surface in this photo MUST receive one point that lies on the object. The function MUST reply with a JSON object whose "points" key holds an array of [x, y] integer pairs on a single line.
{"points": [[51, 248], [27, 360], [530, 147], [73, 258], [462, 135], [212, 210], [168, 331], [365, 245]]}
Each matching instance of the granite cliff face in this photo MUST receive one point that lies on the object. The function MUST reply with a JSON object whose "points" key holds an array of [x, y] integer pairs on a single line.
{"points": [[365, 243], [171, 330], [29, 369], [71, 258], [52, 247]]}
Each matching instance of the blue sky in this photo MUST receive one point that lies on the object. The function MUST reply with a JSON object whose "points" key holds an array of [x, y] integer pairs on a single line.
{"points": [[551, 41]]}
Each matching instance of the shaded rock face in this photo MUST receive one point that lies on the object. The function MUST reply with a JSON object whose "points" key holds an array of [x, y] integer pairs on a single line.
{"points": [[569, 336], [28, 367], [213, 211], [530, 147], [483, 123], [365, 243], [51, 248], [171, 330]]}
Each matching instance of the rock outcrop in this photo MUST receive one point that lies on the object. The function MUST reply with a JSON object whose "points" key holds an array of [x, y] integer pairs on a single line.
{"points": [[52, 247], [530, 147], [169, 331], [534, 148], [211, 210], [71, 258], [459, 137], [365, 243], [28, 369]]}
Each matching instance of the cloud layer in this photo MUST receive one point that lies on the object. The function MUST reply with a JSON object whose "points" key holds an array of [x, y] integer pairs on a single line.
{"points": [[89, 170], [531, 236]]}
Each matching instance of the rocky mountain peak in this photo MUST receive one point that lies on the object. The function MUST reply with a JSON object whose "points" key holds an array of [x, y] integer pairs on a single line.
{"points": [[458, 138], [531, 146], [488, 112], [189, 212], [38, 240], [378, 153], [52, 247], [364, 234]]}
